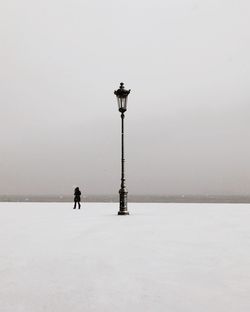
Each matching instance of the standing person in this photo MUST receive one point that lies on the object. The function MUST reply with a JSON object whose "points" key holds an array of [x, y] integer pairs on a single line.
{"points": [[77, 198]]}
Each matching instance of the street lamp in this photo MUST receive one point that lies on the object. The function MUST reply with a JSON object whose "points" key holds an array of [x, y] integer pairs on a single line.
{"points": [[122, 95]]}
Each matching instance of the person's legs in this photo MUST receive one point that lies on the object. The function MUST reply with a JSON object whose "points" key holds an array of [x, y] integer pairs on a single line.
{"points": [[79, 205], [74, 205]]}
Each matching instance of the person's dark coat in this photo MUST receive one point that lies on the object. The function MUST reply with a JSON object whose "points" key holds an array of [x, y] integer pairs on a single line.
{"points": [[77, 195]]}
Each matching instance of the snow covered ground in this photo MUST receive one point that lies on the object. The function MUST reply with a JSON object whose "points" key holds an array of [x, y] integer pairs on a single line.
{"points": [[163, 257]]}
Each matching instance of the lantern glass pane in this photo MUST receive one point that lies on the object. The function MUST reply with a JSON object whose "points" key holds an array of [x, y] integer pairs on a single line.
{"points": [[122, 102]]}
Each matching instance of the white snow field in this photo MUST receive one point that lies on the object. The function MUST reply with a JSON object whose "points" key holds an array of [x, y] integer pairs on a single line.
{"points": [[163, 257]]}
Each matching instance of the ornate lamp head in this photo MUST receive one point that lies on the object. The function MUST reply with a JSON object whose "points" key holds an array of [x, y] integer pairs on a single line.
{"points": [[122, 95]]}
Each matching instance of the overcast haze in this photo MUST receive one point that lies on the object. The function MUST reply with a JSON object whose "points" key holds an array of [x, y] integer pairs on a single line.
{"points": [[187, 125]]}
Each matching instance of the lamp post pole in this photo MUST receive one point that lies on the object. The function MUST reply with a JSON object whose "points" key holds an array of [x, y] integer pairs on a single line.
{"points": [[121, 95], [123, 191]]}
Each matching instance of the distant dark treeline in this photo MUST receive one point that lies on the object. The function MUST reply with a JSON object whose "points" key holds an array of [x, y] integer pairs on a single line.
{"points": [[131, 198]]}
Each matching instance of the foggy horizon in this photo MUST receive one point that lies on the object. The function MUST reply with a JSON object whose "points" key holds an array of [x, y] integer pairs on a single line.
{"points": [[187, 129]]}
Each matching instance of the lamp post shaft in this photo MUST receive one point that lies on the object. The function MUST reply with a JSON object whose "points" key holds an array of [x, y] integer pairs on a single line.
{"points": [[122, 152], [123, 192]]}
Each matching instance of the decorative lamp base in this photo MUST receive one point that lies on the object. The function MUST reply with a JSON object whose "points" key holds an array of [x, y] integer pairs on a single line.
{"points": [[123, 213], [123, 208]]}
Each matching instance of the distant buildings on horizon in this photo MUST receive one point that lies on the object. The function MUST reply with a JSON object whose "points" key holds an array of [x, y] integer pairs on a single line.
{"points": [[131, 198]]}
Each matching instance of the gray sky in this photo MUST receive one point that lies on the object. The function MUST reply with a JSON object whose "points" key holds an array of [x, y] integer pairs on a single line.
{"points": [[187, 125]]}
